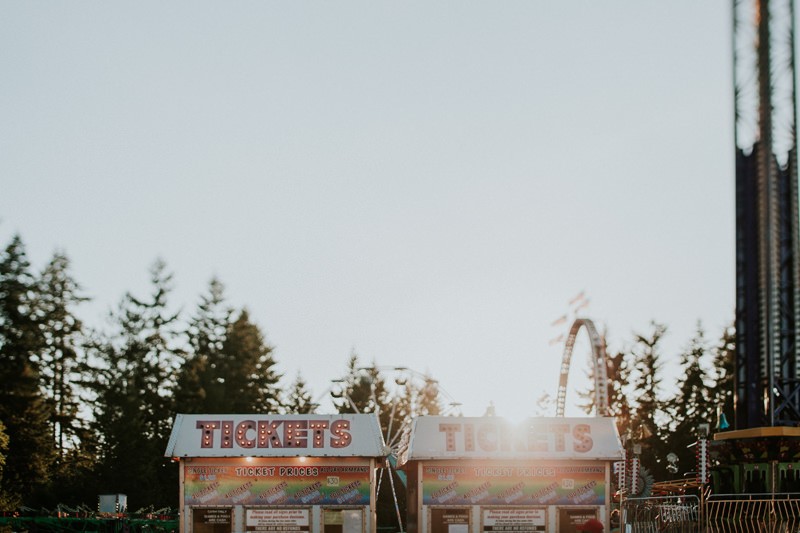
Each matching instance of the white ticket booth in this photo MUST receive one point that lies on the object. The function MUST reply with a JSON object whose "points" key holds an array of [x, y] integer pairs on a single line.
{"points": [[277, 473], [487, 475]]}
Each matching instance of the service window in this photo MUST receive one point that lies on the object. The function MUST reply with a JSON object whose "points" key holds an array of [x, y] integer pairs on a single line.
{"points": [[212, 519], [515, 519], [569, 518], [278, 520], [343, 520], [449, 519]]}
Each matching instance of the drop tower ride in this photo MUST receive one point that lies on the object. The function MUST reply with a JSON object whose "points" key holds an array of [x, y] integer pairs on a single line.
{"points": [[767, 245]]}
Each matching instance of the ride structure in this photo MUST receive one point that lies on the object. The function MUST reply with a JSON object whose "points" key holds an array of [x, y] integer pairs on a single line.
{"points": [[762, 452], [767, 244], [599, 366]]}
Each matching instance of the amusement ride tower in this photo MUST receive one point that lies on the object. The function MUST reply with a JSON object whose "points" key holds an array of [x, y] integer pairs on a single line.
{"points": [[767, 245]]}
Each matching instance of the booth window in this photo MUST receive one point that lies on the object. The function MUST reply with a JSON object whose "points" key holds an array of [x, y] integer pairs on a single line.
{"points": [[343, 521]]}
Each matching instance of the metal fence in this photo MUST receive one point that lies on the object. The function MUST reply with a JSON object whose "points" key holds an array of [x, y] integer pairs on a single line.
{"points": [[753, 513], [720, 513], [668, 514]]}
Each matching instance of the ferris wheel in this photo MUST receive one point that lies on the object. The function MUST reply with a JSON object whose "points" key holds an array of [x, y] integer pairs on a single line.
{"points": [[410, 394]]}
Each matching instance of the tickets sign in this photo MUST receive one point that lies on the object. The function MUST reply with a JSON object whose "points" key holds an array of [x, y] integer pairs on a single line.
{"points": [[513, 484], [312, 482], [434, 437], [345, 435]]}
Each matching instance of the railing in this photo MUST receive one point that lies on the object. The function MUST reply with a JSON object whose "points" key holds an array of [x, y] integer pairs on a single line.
{"points": [[668, 514], [734, 513]]}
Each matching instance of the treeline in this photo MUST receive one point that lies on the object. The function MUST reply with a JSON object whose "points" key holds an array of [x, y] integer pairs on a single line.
{"points": [[661, 417], [86, 412]]}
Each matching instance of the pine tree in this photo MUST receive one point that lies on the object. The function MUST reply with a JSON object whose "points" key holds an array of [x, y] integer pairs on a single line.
{"points": [[428, 398], [63, 331], [299, 399], [246, 380], [692, 404], [644, 426], [618, 384], [7, 501], [617, 388], [23, 409], [133, 407], [200, 371], [724, 376], [364, 391]]}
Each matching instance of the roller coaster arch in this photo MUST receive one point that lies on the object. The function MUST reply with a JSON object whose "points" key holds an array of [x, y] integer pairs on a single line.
{"points": [[599, 364]]}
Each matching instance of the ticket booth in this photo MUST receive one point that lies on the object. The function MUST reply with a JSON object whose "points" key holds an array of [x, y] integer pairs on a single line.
{"points": [[486, 475], [277, 473]]}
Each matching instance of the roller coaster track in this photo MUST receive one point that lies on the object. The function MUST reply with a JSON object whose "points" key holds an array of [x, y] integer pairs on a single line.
{"points": [[599, 365]]}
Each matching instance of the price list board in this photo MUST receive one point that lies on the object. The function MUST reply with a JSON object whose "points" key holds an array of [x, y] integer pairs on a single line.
{"points": [[212, 520]]}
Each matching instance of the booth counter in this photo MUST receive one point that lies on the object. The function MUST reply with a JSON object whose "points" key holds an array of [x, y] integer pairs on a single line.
{"points": [[277, 473], [482, 475]]}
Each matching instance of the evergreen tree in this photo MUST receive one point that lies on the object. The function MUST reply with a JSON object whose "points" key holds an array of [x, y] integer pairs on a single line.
{"points": [[364, 391], [63, 331], [200, 371], [692, 405], [724, 376], [428, 398], [246, 381], [299, 399], [544, 405], [133, 408], [617, 388], [648, 410], [23, 409], [229, 367], [7, 501]]}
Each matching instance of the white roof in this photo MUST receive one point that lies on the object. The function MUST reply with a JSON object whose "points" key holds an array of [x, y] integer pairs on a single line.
{"points": [[237, 435], [441, 437]]}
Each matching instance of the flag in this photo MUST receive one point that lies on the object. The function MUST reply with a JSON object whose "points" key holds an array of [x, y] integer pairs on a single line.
{"points": [[560, 320], [581, 296]]}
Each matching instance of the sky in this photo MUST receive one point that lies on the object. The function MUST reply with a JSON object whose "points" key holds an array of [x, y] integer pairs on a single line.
{"points": [[423, 183]]}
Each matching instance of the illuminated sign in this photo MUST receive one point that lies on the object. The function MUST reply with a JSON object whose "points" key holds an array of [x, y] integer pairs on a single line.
{"points": [[513, 483], [343, 435], [274, 433], [494, 437], [277, 481]]}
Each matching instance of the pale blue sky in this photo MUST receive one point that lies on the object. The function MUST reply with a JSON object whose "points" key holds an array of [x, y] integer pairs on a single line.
{"points": [[427, 183]]}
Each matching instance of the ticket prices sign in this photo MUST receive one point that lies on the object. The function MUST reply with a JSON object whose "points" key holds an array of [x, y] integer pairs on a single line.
{"points": [[277, 520], [495, 483], [271, 482], [514, 520]]}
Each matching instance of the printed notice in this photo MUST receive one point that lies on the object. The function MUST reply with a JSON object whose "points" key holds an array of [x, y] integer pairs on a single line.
{"points": [[277, 520]]}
